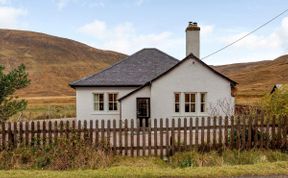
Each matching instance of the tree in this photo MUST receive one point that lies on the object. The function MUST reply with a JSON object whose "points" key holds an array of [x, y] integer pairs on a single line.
{"points": [[9, 84], [276, 103]]}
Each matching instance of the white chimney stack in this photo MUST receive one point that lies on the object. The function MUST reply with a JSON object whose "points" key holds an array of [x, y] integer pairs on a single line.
{"points": [[193, 39]]}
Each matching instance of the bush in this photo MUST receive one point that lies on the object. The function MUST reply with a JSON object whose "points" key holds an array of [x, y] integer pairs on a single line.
{"points": [[65, 154], [227, 157]]}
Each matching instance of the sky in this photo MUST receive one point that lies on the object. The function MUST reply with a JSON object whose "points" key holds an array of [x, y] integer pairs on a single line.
{"points": [[127, 26]]}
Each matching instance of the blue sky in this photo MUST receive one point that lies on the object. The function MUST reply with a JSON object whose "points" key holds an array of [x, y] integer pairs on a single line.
{"points": [[129, 25]]}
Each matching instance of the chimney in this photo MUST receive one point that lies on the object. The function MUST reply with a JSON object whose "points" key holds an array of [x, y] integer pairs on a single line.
{"points": [[193, 39]]}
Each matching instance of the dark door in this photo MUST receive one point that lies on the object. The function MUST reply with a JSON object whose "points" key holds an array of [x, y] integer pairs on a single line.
{"points": [[143, 111]]}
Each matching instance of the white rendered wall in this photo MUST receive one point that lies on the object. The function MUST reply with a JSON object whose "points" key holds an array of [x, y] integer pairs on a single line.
{"points": [[85, 105], [190, 76], [128, 105]]}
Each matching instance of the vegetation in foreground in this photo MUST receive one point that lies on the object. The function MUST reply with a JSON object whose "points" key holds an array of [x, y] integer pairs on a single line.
{"points": [[150, 167], [75, 153]]}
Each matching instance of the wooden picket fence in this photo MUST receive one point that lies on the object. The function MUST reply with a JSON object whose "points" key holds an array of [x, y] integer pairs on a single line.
{"points": [[163, 137]]}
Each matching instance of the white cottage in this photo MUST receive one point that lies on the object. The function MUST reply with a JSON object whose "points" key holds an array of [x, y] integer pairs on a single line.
{"points": [[152, 84]]}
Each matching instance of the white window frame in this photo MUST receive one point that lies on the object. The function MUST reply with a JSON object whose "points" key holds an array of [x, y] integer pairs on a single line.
{"points": [[179, 102], [190, 102], [98, 102], [203, 102], [113, 102]]}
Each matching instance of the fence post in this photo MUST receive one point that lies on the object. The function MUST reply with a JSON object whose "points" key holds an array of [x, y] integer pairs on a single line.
{"points": [[214, 131], [273, 131], [38, 133], [238, 131], [167, 138], [44, 135], [208, 132], [20, 133], [185, 134], [161, 138], [220, 131], [196, 132], [114, 137], [32, 133], [191, 133], [96, 133], [143, 137], [132, 137], [149, 137], [50, 132], [256, 131], [226, 131], [232, 141], [120, 137], [202, 130], [126, 137], [155, 137], [108, 132], [55, 131]]}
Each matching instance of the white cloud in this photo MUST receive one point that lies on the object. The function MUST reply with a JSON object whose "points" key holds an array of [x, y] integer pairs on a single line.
{"points": [[206, 29], [9, 16], [96, 29], [275, 40], [125, 38]]}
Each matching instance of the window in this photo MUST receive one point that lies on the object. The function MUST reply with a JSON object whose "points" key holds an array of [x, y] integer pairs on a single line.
{"points": [[190, 102], [177, 102], [98, 101], [203, 101], [112, 101]]}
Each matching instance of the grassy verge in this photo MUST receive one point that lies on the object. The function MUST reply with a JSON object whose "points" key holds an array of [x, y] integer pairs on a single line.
{"points": [[279, 168]]}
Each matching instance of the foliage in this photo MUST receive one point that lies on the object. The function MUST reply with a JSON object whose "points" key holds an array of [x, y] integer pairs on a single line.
{"points": [[226, 157], [72, 153], [9, 84], [276, 103]]}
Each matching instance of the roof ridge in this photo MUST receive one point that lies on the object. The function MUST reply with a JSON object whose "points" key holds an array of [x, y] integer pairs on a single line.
{"points": [[121, 61]]}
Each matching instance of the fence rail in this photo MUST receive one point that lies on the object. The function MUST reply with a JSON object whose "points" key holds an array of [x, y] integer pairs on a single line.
{"points": [[161, 137]]}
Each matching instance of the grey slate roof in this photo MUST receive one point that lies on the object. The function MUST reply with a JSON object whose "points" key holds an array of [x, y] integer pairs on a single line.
{"points": [[135, 70]]}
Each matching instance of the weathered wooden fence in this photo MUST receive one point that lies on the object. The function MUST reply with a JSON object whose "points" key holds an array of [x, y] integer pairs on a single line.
{"points": [[162, 137]]}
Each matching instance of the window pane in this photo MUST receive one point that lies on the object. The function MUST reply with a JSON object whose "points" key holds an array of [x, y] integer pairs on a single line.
{"points": [[192, 97], [186, 97], [177, 97], [192, 107], [202, 107], [96, 106], [101, 106], [177, 108], [115, 106], [186, 107], [202, 97], [101, 97]]}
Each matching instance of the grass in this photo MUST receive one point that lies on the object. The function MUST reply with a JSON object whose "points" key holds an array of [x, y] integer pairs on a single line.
{"points": [[46, 111], [276, 168]]}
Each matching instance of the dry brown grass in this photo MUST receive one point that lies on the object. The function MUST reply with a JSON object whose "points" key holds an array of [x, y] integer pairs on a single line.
{"points": [[51, 62]]}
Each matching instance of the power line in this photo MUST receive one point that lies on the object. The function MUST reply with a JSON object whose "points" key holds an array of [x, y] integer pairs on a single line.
{"points": [[241, 38]]}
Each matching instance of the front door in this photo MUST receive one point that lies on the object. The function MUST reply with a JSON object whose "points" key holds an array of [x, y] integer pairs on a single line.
{"points": [[143, 111]]}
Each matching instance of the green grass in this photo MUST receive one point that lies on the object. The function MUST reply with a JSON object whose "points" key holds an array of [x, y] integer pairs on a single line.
{"points": [[45, 111], [276, 168]]}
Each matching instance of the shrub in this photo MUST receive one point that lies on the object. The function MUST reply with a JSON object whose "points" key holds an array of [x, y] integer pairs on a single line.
{"points": [[64, 154]]}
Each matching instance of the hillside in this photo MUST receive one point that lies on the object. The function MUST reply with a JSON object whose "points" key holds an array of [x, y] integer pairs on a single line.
{"points": [[257, 78], [52, 62]]}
